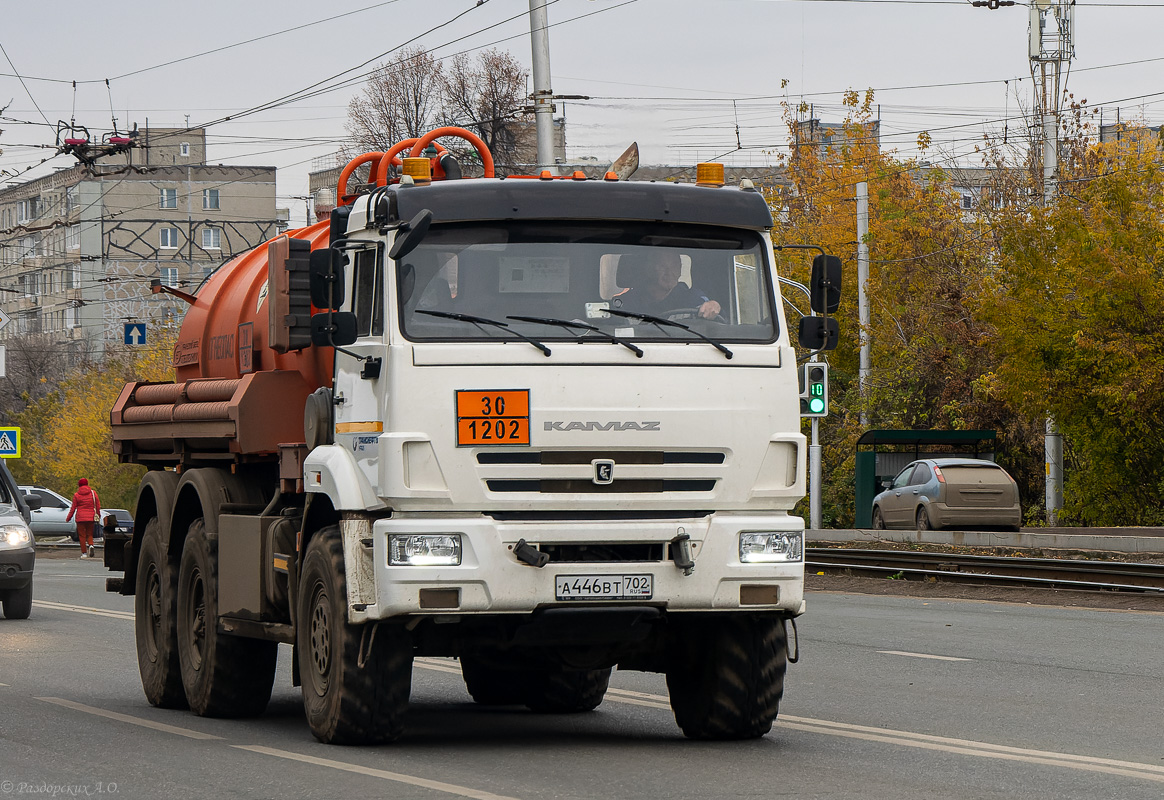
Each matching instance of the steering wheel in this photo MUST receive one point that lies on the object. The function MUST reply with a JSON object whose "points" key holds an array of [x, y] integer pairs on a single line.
{"points": [[688, 313]]}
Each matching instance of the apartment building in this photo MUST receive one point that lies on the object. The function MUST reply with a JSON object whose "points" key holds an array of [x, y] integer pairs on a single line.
{"points": [[80, 247]]}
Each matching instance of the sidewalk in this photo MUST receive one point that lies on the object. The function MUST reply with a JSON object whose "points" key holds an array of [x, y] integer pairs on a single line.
{"points": [[1116, 540]]}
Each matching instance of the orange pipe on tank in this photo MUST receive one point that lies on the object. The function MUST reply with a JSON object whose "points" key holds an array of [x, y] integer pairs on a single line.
{"points": [[341, 189], [231, 310], [467, 135], [392, 157]]}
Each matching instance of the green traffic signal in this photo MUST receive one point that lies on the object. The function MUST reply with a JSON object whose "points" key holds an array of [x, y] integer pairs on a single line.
{"points": [[814, 393]]}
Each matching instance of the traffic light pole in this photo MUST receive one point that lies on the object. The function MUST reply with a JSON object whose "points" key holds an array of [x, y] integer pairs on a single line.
{"points": [[814, 478]]}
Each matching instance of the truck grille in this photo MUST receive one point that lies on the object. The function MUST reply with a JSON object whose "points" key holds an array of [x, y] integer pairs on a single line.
{"points": [[612, 552], [636, 472]]}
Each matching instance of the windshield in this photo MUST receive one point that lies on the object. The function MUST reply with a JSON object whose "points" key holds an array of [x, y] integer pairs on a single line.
{"points": [[713, 280]]}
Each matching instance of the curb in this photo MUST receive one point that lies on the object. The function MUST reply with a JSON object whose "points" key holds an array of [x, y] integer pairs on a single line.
{"points": [[1054, 539]]}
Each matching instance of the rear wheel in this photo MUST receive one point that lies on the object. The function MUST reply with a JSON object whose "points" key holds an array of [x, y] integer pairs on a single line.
{"points": [[567, 691], [878, 519], [18, 603], [726, 676], [154, 607], [356, 678], [223, 675], [923, 520]]}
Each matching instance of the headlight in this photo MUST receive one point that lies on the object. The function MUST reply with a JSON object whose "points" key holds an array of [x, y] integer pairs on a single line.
{"points": [[14, 535], [424, 549], [765, 547]]}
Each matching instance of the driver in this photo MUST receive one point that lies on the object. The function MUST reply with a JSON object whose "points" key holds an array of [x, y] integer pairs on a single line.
{"points": [[658, 289]]}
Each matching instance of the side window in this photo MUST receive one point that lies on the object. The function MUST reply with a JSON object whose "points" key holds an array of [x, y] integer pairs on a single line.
{"points": [[903, 479], [47, 500], [921, 475], [367, 293]]}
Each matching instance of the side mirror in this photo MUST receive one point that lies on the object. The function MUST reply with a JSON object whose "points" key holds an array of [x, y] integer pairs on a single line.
{"points": [[333, 328], [825, 287], [819, 333], [326, 273], [410, 234], [33, 502]]}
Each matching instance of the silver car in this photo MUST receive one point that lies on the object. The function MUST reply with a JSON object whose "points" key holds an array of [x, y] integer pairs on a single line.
{"points": [[949, 493], [49, 519]]}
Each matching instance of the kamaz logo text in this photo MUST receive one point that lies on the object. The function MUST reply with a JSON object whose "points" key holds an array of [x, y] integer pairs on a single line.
{"points": [[603, 426]]}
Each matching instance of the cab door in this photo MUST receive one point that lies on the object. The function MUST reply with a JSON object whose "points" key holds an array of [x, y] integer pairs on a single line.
{"points": [[360, 368]]}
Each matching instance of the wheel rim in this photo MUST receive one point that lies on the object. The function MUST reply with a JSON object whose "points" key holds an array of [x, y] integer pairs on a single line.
{"points": [[196, 619], [320, 640], [923, 521], [153, 600]]}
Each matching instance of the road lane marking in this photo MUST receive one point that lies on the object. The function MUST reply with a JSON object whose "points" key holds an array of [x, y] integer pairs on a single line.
{"points": [[145, 723], [411, 780], [101, 612], [983, 750], [921, 655], [437, 665]]}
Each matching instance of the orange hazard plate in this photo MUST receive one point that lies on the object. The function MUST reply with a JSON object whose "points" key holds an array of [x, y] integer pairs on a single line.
{"points": [[492, 417]]}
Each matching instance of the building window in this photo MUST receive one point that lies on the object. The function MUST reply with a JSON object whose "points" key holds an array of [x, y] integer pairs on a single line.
{"points": [[168, 198], [169, 238], [27, 210], [27, 247], [73, 237], [71, 317], [184, 149], [211, 238], [71, 199], [967, 201], [210, 198], [169, 276]]}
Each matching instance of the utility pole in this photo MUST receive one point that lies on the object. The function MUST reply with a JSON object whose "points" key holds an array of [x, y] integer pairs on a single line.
{"points": [[863, 297], [543, 96], [1052, 45]]}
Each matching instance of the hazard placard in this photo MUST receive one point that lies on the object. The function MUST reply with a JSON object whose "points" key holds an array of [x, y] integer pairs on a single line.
{"points": [[9, 442], [3, 318]]}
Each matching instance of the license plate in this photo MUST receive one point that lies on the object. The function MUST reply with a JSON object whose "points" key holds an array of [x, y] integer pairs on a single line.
{"points": [[604, 587]]}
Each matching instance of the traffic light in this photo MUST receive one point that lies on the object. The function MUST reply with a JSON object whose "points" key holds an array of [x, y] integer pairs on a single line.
{"points": [[814, 389]]}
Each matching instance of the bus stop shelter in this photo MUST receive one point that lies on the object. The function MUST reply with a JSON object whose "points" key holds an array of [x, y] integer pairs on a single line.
{"points": [[882, 454]]}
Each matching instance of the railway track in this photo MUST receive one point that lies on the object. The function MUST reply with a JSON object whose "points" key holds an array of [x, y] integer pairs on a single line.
{"points": [[1112, 576]]}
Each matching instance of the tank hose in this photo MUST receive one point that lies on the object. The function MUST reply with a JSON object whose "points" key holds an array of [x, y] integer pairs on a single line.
{"points": [[794, 654]]}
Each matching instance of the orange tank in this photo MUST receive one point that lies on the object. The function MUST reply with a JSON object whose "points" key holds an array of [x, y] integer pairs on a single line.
{"points": [[225, 332]]}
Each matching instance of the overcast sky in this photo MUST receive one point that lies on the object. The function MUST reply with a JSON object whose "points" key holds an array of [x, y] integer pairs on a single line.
{"points": [[662, 72]]}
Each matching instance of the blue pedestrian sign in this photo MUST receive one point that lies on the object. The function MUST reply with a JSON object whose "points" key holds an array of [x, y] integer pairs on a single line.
{"points": [[135, 333], [9, 442]]}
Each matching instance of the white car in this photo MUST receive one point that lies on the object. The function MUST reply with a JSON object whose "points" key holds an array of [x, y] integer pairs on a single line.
{"points": [[49, 519]]}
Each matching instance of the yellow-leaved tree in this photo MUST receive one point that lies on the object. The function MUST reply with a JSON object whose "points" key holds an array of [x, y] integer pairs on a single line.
{"points": [[66, 434]]}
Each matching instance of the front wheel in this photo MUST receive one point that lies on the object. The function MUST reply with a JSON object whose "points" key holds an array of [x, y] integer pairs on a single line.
{"points": [[18, 603], [726, 676], [356, 678], [567, 691]]}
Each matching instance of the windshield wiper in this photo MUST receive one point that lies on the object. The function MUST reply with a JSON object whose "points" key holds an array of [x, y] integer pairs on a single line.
{"points": [[484, 321], [618, 312], [563, 323]]}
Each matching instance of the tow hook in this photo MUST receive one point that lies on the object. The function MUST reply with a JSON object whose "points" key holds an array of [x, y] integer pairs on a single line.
{"points": [[681, 552], [526, 553]]}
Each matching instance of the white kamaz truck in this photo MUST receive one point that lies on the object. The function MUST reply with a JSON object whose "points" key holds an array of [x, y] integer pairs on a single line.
{"points": [[546, 425]]}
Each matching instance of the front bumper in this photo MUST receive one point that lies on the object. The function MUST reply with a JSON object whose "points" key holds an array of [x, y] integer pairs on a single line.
{"points": [[16, 567], [490, 580]]}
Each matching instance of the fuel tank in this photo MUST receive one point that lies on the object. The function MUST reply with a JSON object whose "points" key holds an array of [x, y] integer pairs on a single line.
{"points": [[224, 333]]}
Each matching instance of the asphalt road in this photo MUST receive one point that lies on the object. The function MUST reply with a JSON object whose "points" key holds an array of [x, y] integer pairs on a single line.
{"points": [[894, 697]]}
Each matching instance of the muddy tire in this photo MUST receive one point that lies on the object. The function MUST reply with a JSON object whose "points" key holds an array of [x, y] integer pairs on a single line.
{"points": [[18, 603], [878, 519], [223, 675], [726, 676], [355, 678], [154, 621], [923, 520], [490, 686], [567, 691]]}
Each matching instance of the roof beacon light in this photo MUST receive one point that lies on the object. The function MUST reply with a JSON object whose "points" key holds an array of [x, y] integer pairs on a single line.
{"points": [[709, 174], [420, 169]]}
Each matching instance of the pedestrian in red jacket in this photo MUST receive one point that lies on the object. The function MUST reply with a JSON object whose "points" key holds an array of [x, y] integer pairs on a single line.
{"points": [[87, 507]]}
